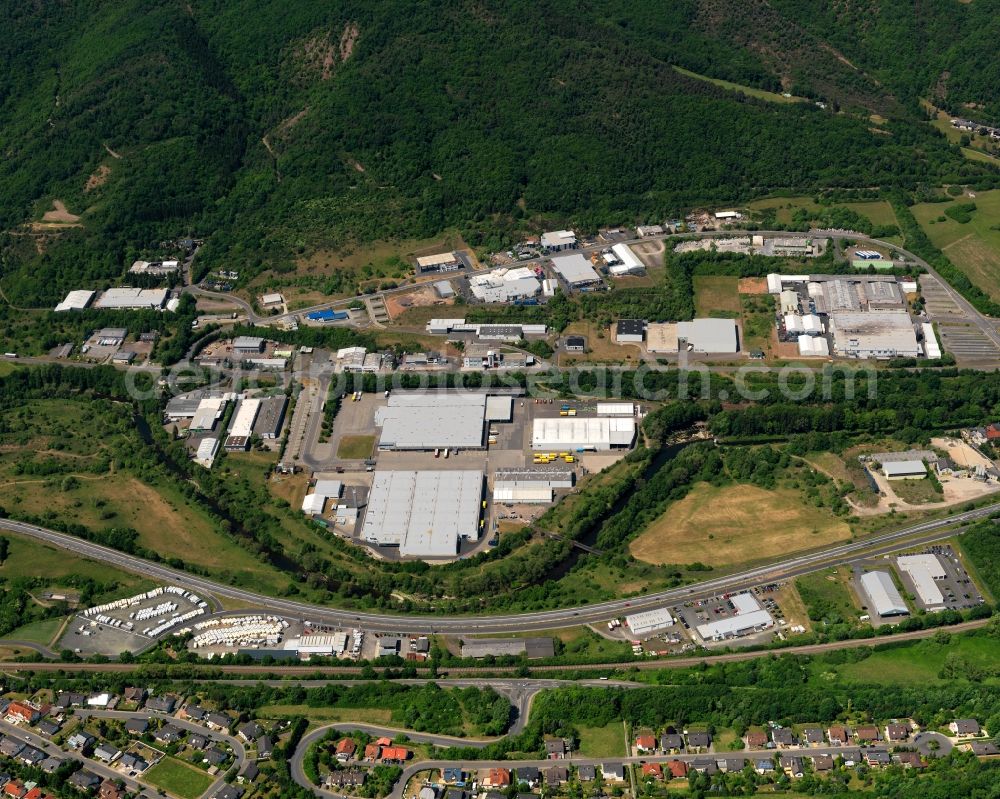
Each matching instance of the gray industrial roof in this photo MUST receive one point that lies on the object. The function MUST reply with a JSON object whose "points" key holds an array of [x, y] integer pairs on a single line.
{"points": [[428, 421], [423, 513], [883, 594], [709, 335], [575, 269]]}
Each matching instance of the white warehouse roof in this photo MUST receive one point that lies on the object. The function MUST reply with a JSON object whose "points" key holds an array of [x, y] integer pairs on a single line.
{"points": [[242, 426], [911, 468], [629, 261], [132, 298], [606, 432], [615, 409], [75, 300], [522, 495], [735, 625], [313, 504], [924, 570], [427, 421], [209, 411], [882, 592], [710, 335], [575, 269], [649, 621], [931, 347], [423, 513]]}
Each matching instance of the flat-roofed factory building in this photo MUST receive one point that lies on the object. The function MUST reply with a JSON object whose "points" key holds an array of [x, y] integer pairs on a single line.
{"points": [[425, 421], [426, 514], [242, 427], [603, 433]]}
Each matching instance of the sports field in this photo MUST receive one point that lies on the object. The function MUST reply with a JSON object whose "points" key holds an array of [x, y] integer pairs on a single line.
{"points": [[716, 295], [974, 247], [726, 525]]}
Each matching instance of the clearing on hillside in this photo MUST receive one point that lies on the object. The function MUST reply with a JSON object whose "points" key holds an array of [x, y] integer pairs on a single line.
{"points": [[722, 526]]}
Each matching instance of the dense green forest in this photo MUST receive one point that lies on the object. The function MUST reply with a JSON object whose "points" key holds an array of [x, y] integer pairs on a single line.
{"points": [[274, 128]]}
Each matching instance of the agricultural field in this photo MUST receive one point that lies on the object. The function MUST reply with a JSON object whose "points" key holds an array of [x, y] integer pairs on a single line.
{"points": [[735, 524], [178, 779], [878, 211], [716, 295], [973, 246]]}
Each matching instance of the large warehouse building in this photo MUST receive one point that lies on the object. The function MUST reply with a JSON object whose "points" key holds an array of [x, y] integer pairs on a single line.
{"points": [[924, 570], [575, 270], [881, 334], [242, 427], [133, 298], [750, 617], [649, 621], [883, 594], [424, 513], [709, 335], [606, 432], [424, 421]]}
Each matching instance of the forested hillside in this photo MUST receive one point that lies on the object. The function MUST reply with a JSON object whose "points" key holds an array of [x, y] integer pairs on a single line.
{"points": [[272, 127]]}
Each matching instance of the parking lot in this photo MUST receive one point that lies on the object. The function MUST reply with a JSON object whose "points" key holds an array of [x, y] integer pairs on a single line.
{"points": [[956, 586], [131, 624]]}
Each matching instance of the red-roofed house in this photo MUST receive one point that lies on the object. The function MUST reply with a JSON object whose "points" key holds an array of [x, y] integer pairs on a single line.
{"points": [[496, 778], [645, 743], [654, 770], [678, 769], [394, 754], [14, 788], [373, 752], [384, 742], [346, 749], [22, 711]]}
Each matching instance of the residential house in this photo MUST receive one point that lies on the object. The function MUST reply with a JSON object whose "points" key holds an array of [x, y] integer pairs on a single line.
{"points": [[197, 741], [965, 727], [782, 737], [652, 771], [495, 778], [838, 736], [528, 775], [897, 732], [822, 763], [877, 757], [851, 757], [586, 773], [38, 793], [51, 764], [48, 727], [22, 713], [645, 744], [453, 775], [137, 726], [79, 740], [678, 769], [132, 762], [228, 792], [733, 765], [68, 699], [459, 793], [698, 740], [705, 765], [107, 752], [110, 790], [867, 733], [984, 749], [909, 759], [494, 795], [763, 766], [613, 772], [250, 731], [248, 773], [372, 753], [792, 766], [215, 756], [395, 754], [671, 742], [11, 747], [31, 756], [755, 739], [345, 749], [84, 780], [14, 789], [346, 778], [813, 736], [555, 748], [218, 721], [556, 776], [193, 712], [265, 747], [168, 734], [162, 704], [137, 695]]}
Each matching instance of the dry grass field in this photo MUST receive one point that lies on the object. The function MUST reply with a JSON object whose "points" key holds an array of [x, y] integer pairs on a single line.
{"points": [[716, 295], [722, 526]]}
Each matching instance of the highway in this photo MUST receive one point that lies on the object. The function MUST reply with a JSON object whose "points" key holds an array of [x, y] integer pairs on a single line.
{"points": [[923, 532]]}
